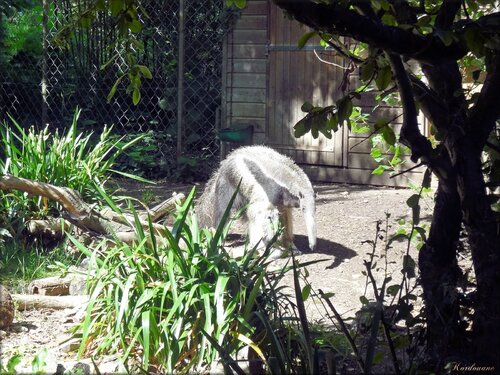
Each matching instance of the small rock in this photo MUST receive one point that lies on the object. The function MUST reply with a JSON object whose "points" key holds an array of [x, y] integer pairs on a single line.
{"points": [[70, 345], [366, 201], [19, 328], [81, 368], [2, 334], [60, 369], [344, 193], [6, 308]]}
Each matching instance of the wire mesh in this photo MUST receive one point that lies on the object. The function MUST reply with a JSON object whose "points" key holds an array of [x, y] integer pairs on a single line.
{"points": [[75, 78]]}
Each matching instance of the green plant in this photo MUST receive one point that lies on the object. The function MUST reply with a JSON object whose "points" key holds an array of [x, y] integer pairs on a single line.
{"points": [[153, 299], [147, 157], [18, 267], [390, 313], [38, 364], [72, 160]]}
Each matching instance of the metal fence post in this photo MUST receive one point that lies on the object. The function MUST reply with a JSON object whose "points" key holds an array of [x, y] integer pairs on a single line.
{"points": [[180, 79], [45, 57]]}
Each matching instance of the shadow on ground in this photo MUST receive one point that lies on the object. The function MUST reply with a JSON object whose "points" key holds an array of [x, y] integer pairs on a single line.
{"points": [[330, 248]]}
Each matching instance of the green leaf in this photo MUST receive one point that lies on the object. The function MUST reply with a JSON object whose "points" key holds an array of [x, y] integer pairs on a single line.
{"points": [[85, 22], [240, 3], [333, 123], [145, 71], [379, 170], [422, 232], [13, 362], [328, 295], [475, 41], [135, 26], [380, 123], [377, 358], [344, 109], [113, 89], [100, 5], [424, 20], [136, 96], [367, 69], [392, 290], [376, 154], [314, 131], [305, 38], [389, 20], [301, 128], [163, 104], [413, 200], [307, 107], [389, 135], [115, 6], [306, 291], [384, 77], [39, 363], [364, 300]]}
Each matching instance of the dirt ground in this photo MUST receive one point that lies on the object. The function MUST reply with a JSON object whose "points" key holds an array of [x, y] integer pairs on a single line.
{"points": [[346, 216]]}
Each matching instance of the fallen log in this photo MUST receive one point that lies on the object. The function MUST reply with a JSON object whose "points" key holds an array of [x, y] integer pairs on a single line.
{"points": [[165, 207], [51, 227], [70, 199], [37, 301], [106, 223], [51, 286]]}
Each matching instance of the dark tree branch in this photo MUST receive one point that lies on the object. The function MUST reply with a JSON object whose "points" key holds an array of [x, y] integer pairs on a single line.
{"points": [[410, 133], [345, 54], [334, 18], [486, 111], [446, 81], [431, 105], [405, 13], [447, 13]]}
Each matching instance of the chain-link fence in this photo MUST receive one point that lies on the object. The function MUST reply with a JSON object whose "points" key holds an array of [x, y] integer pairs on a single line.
{"points": [[179, 108]]}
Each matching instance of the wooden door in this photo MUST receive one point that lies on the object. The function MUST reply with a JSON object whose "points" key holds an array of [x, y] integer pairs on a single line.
{"points": [[296, 76]]}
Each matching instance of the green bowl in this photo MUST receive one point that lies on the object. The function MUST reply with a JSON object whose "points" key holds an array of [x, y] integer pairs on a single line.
{"points": [[236, 135]]}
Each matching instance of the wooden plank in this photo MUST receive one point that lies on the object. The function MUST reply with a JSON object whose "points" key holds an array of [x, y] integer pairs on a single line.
{"points": [[255, 7], [387, 113], [248, 80], [250, 36], [258, 123], [249, 66], [357, 176], [248, 51], [251, 22], [249, 109], [356, 146], [251, 95]]}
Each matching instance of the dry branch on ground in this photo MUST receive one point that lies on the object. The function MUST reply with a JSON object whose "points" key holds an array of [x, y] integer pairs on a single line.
{"points": [[83, 215]]}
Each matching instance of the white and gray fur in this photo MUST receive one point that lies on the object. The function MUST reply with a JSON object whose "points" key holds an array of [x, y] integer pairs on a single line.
{"points": [[271, 186]]}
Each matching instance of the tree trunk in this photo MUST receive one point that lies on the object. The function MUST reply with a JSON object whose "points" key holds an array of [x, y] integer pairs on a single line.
{"points": [[485, 247], [439, 274]]}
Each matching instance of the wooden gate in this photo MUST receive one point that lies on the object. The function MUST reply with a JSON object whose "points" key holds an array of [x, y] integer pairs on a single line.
{"points": [[297, 75]]}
